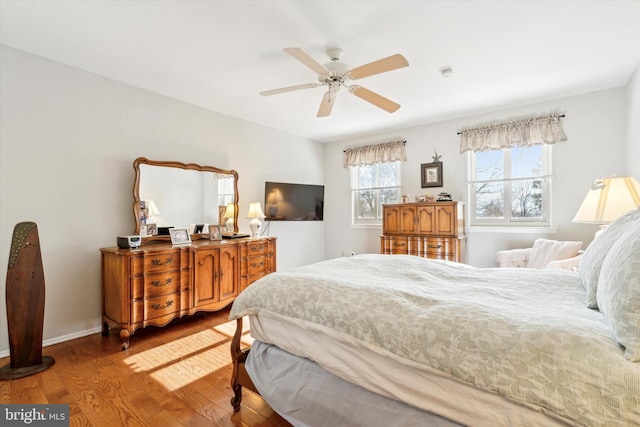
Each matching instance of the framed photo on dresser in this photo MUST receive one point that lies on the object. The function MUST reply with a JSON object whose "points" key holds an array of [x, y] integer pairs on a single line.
{"points": [[179, 236], [215, 232]]}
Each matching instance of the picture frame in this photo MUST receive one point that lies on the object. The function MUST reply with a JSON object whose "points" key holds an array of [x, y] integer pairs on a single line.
{"points": [[179, 236], [152, 229], [215, 232], [431, 174]]}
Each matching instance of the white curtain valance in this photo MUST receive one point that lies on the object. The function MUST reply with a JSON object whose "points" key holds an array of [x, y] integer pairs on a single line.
{"points": [[378, 153], [521, 133]]}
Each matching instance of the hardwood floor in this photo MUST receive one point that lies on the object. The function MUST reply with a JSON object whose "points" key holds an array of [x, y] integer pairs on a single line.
{"points": [[173, 376]]}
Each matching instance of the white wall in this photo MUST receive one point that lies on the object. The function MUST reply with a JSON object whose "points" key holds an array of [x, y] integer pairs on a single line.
{"points": [[596, 128], [67, 144]]}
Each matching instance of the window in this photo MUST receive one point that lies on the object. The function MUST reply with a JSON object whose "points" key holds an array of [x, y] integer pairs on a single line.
{"points": [[371, 187], [225, 190], [511, 186]]}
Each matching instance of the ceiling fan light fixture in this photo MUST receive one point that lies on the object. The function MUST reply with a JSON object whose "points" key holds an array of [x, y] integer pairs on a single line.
{"points": [[335, 74], [337, 67]]}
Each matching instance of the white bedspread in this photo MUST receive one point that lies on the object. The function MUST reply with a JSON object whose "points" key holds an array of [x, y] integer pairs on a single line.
{"points": [[522, 334]]}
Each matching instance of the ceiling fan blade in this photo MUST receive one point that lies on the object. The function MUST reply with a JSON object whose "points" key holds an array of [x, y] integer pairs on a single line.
{"points": [[372, 97], [383, 65], [289, 89], [327, 104], [301, 56]]}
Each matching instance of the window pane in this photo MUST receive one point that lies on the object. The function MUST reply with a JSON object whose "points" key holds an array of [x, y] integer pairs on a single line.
{"points": [[388, 174], [526, 161], [526, 199], [365, 204], [489, 165], [389, 195], [366, 177], [373, 186], [489, 201]]}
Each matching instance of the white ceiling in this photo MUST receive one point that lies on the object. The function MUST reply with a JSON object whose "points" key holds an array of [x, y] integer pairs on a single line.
{"points": [[220, 54]]}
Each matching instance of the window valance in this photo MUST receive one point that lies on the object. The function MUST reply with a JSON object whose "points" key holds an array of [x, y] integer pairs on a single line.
{"points": [[520, 133], [378, 153]]}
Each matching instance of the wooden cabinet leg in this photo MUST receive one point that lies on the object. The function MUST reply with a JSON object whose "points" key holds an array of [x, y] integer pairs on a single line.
{"points": [[124, 336]]}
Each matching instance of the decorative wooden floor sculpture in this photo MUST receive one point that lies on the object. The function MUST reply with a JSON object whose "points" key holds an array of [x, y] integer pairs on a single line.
{"points": [[25, 304]]}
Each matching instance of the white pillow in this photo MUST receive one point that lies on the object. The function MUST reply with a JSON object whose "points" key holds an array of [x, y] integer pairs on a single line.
{"points": [[544, 251], [594, 255], [618, 293]]}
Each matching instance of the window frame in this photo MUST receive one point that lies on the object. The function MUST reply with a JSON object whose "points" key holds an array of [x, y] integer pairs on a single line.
{"points": [[377, 188], [509, 221]]}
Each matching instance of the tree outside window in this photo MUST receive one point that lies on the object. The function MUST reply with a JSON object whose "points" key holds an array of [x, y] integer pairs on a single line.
{"points": [[511, 186]]}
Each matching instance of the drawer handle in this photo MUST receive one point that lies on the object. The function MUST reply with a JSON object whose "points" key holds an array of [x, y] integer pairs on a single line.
{"points": [[255, 264], [159, 262], [157, 306], [434, 246], [157, 283], [257, 249], [399, 244]]}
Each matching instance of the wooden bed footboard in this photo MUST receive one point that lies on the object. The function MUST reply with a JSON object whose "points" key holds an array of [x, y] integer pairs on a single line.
{"points": [[240, 377]]}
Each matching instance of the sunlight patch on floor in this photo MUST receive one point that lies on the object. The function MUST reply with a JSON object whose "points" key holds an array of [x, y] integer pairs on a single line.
{"points": [[188, 359], [177, 349]]}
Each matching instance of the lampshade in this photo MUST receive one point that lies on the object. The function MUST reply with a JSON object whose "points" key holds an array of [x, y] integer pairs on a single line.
{"points": [[256, 214], [231, 211], [255, 211], [230, 215], [609, 198], [275, 196]]}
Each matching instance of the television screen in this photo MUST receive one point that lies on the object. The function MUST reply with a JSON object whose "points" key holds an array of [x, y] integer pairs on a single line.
{"points": [[293, 202]]}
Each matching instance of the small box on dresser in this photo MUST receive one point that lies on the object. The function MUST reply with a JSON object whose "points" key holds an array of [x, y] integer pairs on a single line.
{"points": [[430, 230]]}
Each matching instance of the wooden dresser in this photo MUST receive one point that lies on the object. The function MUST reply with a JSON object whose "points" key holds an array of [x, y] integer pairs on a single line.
{"points": [[430, 230], [159, 282]]}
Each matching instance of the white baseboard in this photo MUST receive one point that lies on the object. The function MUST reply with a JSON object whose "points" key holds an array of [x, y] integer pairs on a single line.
{"points": [[62, 338]]}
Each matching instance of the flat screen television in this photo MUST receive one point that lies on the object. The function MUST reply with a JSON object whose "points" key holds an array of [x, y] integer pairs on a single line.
{"points": [[293, 202]]}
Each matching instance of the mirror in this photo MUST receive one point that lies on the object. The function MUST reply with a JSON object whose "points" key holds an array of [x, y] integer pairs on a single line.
{"points": [[174, 194]]}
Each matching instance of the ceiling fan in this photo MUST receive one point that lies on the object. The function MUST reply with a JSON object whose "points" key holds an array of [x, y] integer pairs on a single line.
{"points": [[336, 74]]}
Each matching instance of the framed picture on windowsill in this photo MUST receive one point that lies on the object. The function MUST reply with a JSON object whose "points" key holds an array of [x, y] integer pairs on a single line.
{"points": [[431, 174]]}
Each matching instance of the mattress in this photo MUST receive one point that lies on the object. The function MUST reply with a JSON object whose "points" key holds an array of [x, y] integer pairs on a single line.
{"points": [[482, 347], [307, 395], [423, 389]]}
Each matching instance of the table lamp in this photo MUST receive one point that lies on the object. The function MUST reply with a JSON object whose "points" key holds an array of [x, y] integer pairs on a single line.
{"points": [[607, 199], [230, 214], [256, 215]]}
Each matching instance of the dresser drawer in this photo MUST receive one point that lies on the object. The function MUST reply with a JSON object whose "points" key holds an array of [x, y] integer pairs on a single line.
{"points": [[152, 262], [257, 265], [156, 284], [399, 245], [257, 248], [437, 248], [156, 307]]}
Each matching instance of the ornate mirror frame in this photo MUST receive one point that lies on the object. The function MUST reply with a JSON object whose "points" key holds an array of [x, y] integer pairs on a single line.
{"points": [[187, 166]]}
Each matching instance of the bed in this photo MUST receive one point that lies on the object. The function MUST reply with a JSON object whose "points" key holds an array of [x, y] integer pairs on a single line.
{"points": [[402, 340]]}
